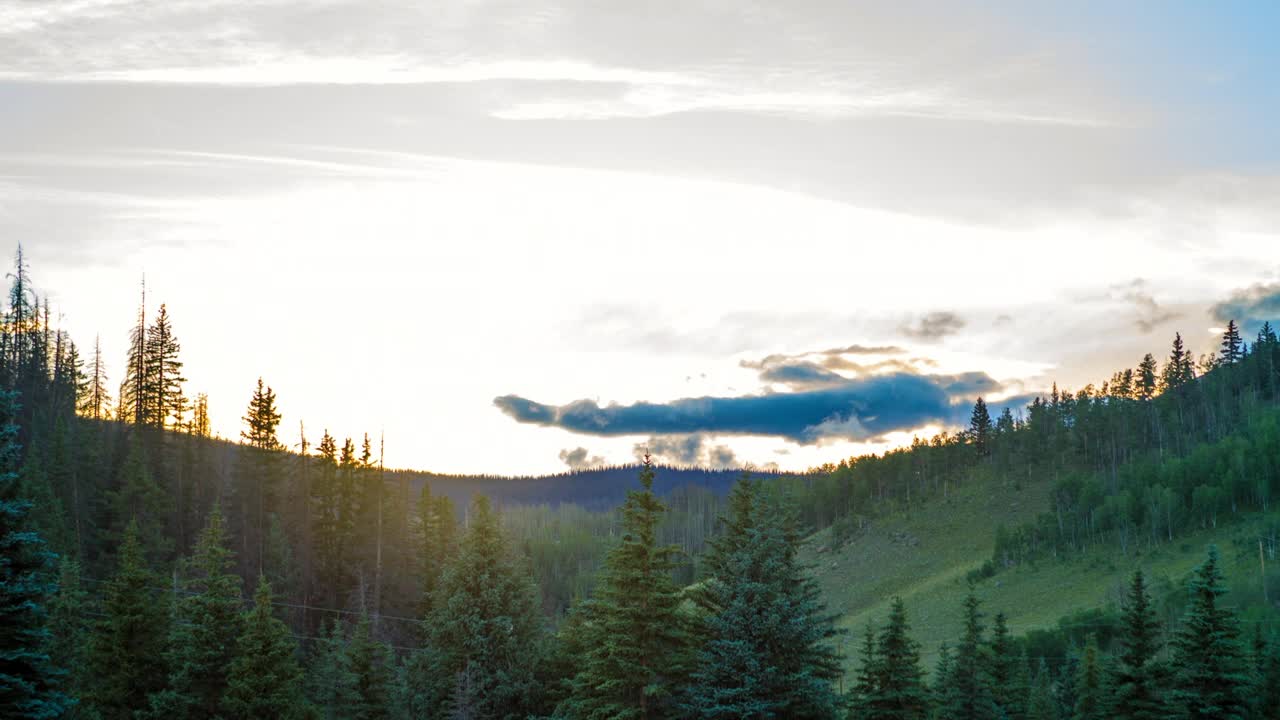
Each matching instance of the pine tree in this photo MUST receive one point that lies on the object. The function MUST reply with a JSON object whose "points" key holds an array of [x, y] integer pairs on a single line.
{"points": [[1209, 678], [97, 402], [767, 641], [264, 681], [259, 468], [969, 693], [163, 375], [208, 624], [437, 538], [1180, 368], [638, 641], [1089, 694], [331, 683], [138, 499], [127, 650], [328, 529], [135, 400], [1147, 378], [69, 629], [1137, 682], [980, 428], [863, 692], [29, 682], [1040, 702], [1232, 347], [371, 668], [898, 680], [485, 624], [1007, 670]]}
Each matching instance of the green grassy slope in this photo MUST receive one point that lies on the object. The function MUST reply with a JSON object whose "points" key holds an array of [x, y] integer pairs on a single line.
{"points": [[925, 555]]}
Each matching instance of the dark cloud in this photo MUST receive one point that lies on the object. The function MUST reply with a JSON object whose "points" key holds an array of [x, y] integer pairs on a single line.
{"points": [[1151, 314], [694, 449], [579, 459], [857, 409], [933, 327], [1250, 307], [801, 374]]}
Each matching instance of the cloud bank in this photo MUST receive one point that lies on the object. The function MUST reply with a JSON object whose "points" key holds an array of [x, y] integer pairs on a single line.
{"points": [[1250, 307], [856, 409]]}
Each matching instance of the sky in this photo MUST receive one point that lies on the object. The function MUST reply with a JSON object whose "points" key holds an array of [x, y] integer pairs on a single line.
{"points": [[525, 237]]}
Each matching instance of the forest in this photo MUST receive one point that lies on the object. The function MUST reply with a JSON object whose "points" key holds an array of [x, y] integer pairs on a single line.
{"points": [[150, 570]]}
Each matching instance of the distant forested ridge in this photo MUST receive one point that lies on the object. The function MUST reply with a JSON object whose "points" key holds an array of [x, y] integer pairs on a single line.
{"points": [[149, 570]]}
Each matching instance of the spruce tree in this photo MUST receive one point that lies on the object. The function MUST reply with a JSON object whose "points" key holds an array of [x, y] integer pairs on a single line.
{"points": [[127, 649], [330, 681], [437, 538], [1209, 678], [29, 682], [1040, 702], [264, 681], [69, 628], [766, 649], [980, 428], [203, 640], [898, 679], [1232, 347], [371, 669], [485, 625], [1147, 381], [968, 695], [163, 380], [1090, 701], [1007, 670], [1138, 692], [864, 683], [638, 639], [140, 501]]}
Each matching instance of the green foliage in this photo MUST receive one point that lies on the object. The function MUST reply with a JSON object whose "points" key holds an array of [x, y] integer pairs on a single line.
{"points": [[28, 680], [1138, 680], [1089, 691], [1209, 670], [966, 690], [264, 681], [330, 679], [207, 624], [896, 690], [766, 647], [127, 650], [484, 626], [371, 668], [636, 638]]}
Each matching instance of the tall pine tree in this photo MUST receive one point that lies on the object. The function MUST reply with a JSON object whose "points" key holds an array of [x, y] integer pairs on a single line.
{"points": [[264, 682], [1137, 682], [1209, 679]]}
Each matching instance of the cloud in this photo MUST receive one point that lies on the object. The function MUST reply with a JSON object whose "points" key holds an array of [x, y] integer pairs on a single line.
{"points": [[577, 459], [801, 374], [693, 449], [858, 409], [1150, 313], [933, 327], [1250, 307]]}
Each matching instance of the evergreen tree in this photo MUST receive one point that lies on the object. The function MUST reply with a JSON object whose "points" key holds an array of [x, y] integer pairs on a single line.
{"points": [[331, 683], [766, 649], [69, 630], [1180, 368], [898, 680], [637, 638], [980, 428], [207, 628], [437, 537], [135, 400], [1040, 703], [1089, 693], [863, 691], [1137, 682], [259, 469], [1232, 350], [1147, 378], [1209, 679], [485, 625], [163, 379], [127, 650], [97, 402], [968, 695], [264, 681], [29, 682], [941, 688], [1008, 684], [370, 667], [139, 500]]}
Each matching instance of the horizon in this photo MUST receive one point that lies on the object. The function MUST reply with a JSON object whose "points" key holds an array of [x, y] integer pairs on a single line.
{"points": [[524, 241]]}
